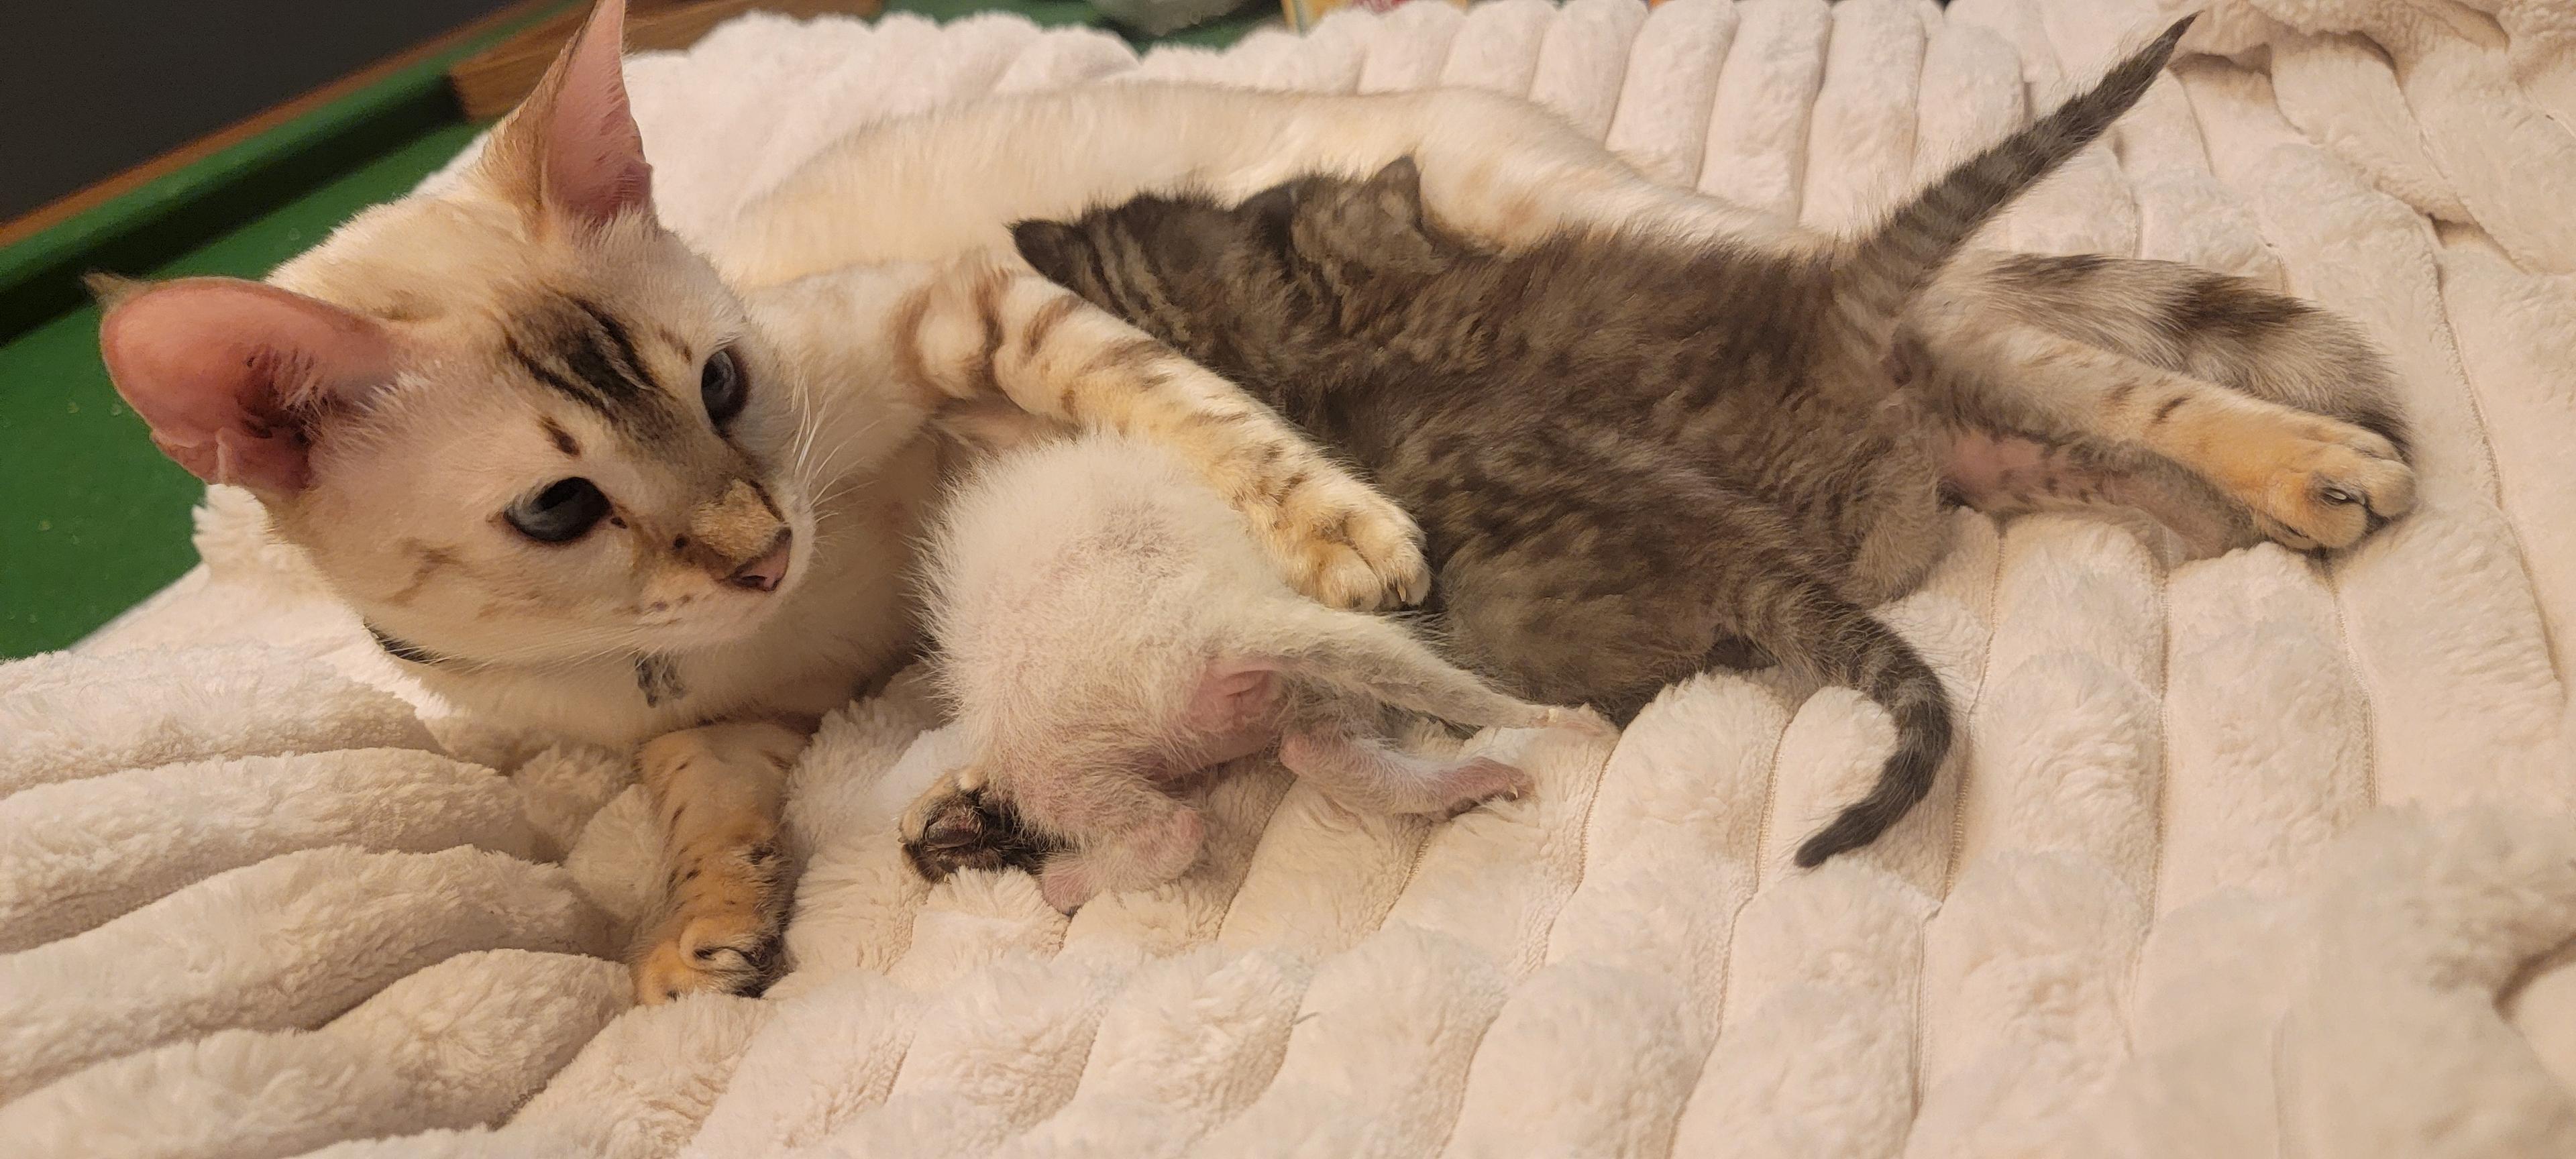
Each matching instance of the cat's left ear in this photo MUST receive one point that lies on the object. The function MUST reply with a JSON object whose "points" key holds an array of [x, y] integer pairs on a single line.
{"points": [[571, 150]]}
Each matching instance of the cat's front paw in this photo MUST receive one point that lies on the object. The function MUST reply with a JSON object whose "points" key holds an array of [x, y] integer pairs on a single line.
{"points": [[1346, 546], [727, 950], [2325, 484]]}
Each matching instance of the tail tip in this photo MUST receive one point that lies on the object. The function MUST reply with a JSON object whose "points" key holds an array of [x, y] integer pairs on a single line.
{"points": [[1824, 846], [2174, 31]]}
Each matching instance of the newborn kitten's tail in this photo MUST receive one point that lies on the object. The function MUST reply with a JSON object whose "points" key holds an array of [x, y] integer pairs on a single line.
{"points": [[1878, 275], [1807, 624]]}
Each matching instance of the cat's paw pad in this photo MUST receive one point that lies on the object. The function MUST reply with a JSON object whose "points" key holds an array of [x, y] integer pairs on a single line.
{"points": [[2332, 484], [1349, 547], [731, 951]]}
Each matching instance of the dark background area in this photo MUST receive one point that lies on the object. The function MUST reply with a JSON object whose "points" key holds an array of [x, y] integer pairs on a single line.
{"points": [[94, 87]]}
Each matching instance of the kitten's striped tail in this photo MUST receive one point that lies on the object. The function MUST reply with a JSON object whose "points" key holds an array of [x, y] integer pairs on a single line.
{"points": [[1805, 623], [1876, 276]]}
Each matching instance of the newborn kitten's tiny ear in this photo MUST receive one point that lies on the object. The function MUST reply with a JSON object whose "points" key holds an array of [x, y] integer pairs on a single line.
{"points": [[226, 373], [1052, 248], [572, 147]]}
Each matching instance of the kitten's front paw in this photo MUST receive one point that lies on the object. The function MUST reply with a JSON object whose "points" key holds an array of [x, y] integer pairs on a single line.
{"points": [[731, 950], [1347, 546], [2325, 484]]}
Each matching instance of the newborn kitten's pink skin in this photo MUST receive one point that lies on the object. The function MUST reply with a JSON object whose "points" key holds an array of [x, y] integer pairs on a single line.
{"points": [[1108, 632]]}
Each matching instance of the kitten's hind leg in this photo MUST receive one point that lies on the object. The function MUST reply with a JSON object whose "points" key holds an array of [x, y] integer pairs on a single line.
{"points": [[1372, 657], [2310, 481], [1366, 775], [2213, 326], [2004, 475]]}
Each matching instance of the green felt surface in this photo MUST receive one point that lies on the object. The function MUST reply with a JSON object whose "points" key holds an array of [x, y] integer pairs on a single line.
{"points": [[92, 518]]}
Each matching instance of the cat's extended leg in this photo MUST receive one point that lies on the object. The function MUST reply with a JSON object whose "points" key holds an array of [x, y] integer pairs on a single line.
{"points": [[1365, 774], [974, 330], [920, 188], [2311, 481], [2189, 320], [717, 790], [2011, 474]]}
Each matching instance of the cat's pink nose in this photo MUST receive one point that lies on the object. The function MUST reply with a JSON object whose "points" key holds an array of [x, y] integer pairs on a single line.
{"points": [[763, 574]]}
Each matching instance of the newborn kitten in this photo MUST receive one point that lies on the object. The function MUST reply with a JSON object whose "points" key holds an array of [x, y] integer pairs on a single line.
{"points": [[1107, 630], [1628, 453]]}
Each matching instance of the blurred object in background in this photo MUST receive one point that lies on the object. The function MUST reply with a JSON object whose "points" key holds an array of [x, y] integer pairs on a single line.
{"points": [[493, 81], [1302, 14], [1164, 17]]}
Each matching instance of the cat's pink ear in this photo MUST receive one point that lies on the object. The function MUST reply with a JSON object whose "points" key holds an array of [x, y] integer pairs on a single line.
{"points": [[572, 147], [1232, 696], [228, 373]]}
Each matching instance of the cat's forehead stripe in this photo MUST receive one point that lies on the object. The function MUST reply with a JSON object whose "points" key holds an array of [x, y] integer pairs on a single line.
{"points": [[587, 355]]}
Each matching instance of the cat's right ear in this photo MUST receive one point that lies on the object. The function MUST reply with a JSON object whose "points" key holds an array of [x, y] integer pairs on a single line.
{"points": [[228, 373], [572, 150], [1052, 248]]}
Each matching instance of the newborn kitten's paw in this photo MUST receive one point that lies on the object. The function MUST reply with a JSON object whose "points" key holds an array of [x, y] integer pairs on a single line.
{"points": [[1349, 547], [1482, 779], [2324, 484], [730, 950], [949, 829], [1066, 883], [1583, 721]]}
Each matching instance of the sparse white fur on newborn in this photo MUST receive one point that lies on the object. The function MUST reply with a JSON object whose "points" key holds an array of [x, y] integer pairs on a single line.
{"points": [[1107, 629]]}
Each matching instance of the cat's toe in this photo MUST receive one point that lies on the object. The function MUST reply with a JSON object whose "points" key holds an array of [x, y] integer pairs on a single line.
{"points": [[730, 952], [1362, 556], [2338, 484]]}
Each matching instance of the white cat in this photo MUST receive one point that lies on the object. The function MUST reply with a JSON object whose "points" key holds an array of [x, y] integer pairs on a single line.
{"points": [[579, 475], [1107, 630]]}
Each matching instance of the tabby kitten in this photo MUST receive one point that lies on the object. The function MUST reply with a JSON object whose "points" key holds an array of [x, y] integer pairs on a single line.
{"points": [[1627, 453]]}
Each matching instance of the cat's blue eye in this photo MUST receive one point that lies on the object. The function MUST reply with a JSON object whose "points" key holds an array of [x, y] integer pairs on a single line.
{"points": [[722, 386], [563, 512]]}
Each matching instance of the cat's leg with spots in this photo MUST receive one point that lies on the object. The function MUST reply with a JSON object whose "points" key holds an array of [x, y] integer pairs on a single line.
{"points": [[717, 791], [2308, 480], [2003, 475], [978, 330]]}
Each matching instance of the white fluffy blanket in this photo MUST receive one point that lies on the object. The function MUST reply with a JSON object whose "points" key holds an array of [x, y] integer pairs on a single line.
{"points": [[2251, 856]]}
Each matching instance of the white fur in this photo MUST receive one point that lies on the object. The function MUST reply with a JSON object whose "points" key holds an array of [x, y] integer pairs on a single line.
{"points": [[2178, 912], [1086, 597]]}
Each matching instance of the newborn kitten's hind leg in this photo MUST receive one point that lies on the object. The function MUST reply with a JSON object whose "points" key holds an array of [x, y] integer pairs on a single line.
{"points": [[1366, 775], [717, 790]]}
